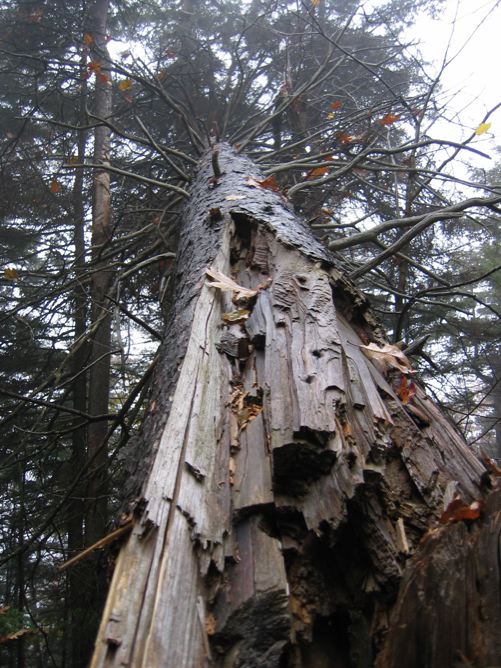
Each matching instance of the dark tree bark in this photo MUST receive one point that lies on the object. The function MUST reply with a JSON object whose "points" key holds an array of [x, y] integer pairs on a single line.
{"points": [[92, 572], [77, 586], [99, 390], [286, 484]]}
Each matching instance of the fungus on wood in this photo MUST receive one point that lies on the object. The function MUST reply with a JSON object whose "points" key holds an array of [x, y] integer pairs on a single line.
{"points": [[284, 485]]}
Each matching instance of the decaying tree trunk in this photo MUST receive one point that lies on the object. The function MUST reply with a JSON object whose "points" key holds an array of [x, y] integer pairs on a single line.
{"points": [[287, 485], [93, 570]]}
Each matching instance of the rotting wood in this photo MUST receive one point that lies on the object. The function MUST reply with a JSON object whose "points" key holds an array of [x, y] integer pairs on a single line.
{"points": [[449, 606], [287, 487]]}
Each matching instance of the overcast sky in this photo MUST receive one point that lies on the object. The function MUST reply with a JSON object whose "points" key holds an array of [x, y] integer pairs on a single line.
{"points": [[472, 79]]}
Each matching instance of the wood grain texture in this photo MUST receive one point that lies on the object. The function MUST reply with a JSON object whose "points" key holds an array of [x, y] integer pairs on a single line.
{"points": [[285, 487]]}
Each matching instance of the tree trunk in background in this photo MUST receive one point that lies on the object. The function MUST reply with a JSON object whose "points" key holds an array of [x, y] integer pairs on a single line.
{"points": [[101, 233], [96, 520], [287, 484], [76, 508]]}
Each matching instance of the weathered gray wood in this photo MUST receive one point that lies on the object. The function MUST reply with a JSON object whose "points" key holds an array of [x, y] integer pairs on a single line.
{"points": [[286, 486]]}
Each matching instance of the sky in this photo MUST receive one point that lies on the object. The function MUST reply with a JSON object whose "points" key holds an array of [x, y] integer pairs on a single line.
{"points": [[469, 32]]}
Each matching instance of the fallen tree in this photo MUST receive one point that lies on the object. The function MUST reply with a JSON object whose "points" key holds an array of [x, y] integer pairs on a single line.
{"points": [[288, 465]]}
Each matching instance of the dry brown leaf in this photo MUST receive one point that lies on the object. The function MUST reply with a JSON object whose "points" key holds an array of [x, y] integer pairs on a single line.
{"points": [[233, 317], [344, 138], [491, 466], [210, 624], [388, 119], [270, 183], [55, 186], [246, 406], [347, 429], [458, 510], [94, 66], [388, 355], [227, 284], [10, 273], [125, 84], [406, 389], [316, 172]]}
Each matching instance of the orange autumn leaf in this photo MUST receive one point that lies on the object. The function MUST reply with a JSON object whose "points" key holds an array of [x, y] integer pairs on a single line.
{"points": [[388, 119], [103, 78], [126, 84], [344, 138], [210, 624], [94, 66], [347, 432], [458, 510], [490, 464], [55, 186], [270, 183], [316, 172], [336, 105], [406, 389], [87, 39]]}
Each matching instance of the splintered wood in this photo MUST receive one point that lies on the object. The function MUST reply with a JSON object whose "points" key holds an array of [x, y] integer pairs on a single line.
{"points": [[288, 483]]}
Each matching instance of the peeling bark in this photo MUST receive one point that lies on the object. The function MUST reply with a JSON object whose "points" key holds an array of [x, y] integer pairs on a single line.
{"points": [[285, 483]]}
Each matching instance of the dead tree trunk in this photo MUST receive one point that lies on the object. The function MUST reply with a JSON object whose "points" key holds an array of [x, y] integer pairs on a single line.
{"points": [[93, 571], [287, 484]]}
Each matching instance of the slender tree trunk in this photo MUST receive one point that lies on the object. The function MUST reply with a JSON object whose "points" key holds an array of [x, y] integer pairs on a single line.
{"points": [[96, 516], [101, 234], [287, 484], [77, 585], [20, 571]]}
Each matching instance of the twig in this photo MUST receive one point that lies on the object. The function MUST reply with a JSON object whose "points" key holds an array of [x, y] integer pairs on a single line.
{"points": [[106, 540], [137, 177]]}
